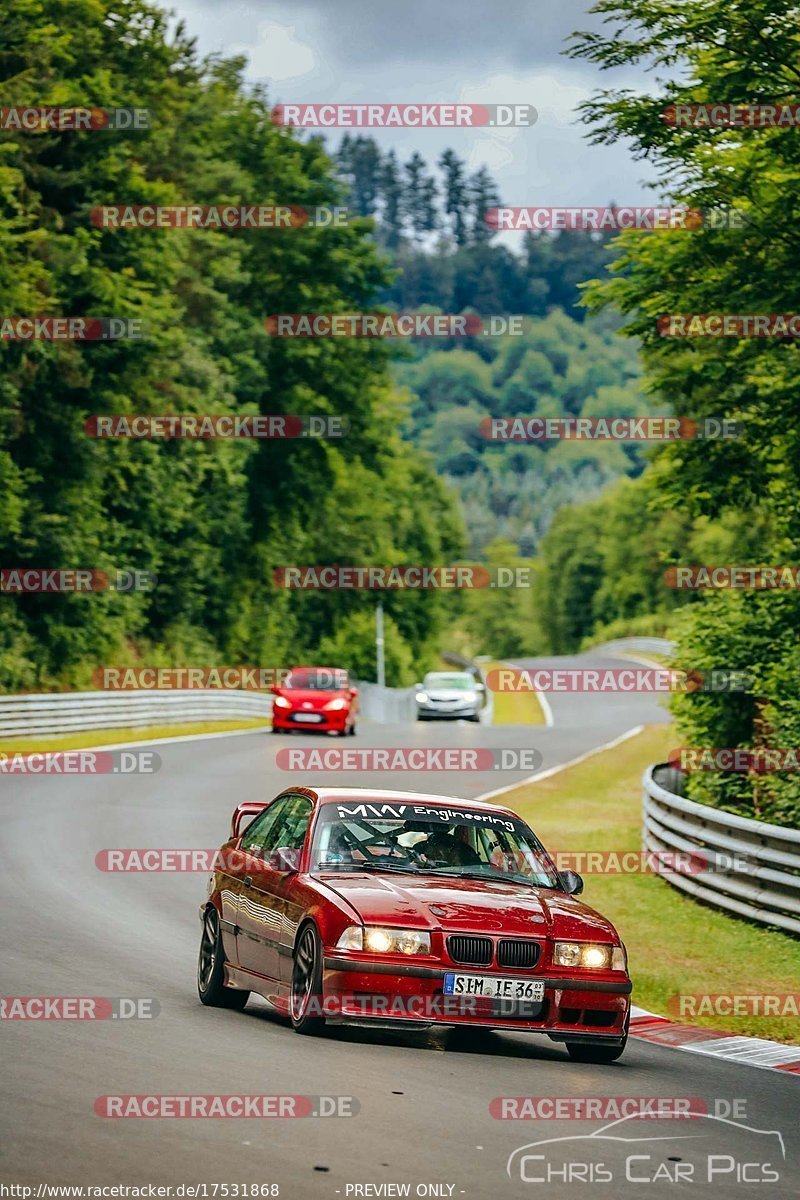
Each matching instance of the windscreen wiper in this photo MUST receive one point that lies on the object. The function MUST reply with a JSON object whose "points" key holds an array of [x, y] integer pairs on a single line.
{"points": [[356, 868], [484, 876]]}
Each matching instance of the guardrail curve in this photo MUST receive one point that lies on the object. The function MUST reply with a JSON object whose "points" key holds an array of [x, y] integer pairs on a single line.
{"points": [[753, 869]]}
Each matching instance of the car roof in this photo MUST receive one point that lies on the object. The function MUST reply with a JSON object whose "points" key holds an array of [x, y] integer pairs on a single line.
{"points": [[328, 795], [428, 675]]}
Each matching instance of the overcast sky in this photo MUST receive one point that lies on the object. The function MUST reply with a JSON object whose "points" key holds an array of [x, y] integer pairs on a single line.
{"points": [[435, 51]]}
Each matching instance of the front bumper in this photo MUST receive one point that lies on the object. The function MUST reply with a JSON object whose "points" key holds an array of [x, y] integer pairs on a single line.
{"points": [[573, 1008], [332, 722], [427, 712]]}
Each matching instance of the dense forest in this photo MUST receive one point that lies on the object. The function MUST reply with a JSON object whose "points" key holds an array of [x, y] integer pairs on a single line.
{"points": [[728, 500], [211, 519]]}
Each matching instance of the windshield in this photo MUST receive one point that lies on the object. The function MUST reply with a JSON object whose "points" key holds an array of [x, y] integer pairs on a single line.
{"points": [[317, 679], [429, 840], [440, 680]]}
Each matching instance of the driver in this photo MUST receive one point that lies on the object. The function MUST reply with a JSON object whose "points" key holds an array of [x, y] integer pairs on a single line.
{"points": [[440, 844]]}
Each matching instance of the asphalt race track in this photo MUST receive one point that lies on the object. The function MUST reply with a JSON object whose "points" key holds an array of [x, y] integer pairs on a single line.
{"points": [[70, 929]]}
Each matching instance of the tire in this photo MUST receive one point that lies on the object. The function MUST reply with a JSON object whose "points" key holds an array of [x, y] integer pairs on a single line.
{"points": [[211, 968], [586, 1053], [353, 729], [306, 981], [275, 730]]}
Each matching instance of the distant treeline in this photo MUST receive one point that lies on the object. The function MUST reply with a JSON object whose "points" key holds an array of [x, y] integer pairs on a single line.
{"points": [[431, 221]]}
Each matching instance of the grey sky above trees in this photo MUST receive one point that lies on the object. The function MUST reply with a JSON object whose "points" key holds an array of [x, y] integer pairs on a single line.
{"points": [[441, 50]]}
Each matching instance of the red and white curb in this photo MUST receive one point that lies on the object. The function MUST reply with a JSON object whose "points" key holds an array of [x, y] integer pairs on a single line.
{"points": [[755, 1052]]}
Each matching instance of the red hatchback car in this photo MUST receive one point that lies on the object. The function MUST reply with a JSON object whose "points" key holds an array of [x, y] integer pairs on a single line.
{"points": [[320, 699], [403, 909]]}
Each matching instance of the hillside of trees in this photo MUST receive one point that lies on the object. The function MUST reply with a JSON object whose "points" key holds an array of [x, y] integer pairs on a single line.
{"points": [[429, 219], [210, 519], [559, 367], [429, 222]]}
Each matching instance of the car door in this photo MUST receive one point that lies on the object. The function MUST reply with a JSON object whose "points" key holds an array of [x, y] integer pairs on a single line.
{"points": [[267, 920]]}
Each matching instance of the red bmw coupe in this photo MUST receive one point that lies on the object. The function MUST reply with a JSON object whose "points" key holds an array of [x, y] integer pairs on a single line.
{"points": [[395, 908]]}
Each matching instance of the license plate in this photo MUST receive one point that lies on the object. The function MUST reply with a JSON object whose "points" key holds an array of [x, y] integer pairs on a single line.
{"points": [[308, 718], [494, 986]]}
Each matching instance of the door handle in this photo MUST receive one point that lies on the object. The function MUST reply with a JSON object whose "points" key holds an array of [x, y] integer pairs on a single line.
{"points": [[248, 879]]}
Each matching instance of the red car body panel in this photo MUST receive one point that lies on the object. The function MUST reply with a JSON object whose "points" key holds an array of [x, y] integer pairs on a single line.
{"points": [[580, 1003]]}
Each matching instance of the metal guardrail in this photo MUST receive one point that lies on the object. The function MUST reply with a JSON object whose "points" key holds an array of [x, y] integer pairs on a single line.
{"points": [[386, 705], [64, 712], [753, 869], [638, 645]]}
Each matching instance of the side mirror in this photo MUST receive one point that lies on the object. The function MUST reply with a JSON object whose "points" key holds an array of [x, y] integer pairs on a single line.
{"points": [[274, 689], [417, 687], [480, 687], [244, 814], [287, 859], [573, 883], [353, 693]]}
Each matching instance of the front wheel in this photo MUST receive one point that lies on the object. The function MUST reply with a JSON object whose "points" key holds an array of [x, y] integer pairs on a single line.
{"points": [[211, 968], [307, 983], [586, 1053]]}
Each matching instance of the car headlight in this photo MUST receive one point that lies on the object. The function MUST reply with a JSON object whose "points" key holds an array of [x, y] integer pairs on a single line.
{"points": [[378, 940], [595, 955], [422, 697], [282, 702], [335, 704], [470, 697]]}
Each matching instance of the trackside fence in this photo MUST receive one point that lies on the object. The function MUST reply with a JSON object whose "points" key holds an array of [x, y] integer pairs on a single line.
{"points": [[752, 869]]}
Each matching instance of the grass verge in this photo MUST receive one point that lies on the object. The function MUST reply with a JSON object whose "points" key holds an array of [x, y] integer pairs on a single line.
{"points": [[515, 708], [675, 945], [110, 737]]}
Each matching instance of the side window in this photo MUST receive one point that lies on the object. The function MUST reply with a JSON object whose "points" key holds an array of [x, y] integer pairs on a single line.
{"points": [[254, 837], [289, 832]]}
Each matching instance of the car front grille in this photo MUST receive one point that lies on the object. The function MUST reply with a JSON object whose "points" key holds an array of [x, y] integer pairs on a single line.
{"points": [[477, 951], [517, 954]]}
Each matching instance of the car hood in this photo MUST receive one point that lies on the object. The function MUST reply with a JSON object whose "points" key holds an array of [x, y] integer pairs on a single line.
{"points": [[312, 696], [469, 906], [450, 694]]}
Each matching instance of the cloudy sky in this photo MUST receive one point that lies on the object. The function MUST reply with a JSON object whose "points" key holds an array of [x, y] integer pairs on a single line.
{"points": [[437, 51]]}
